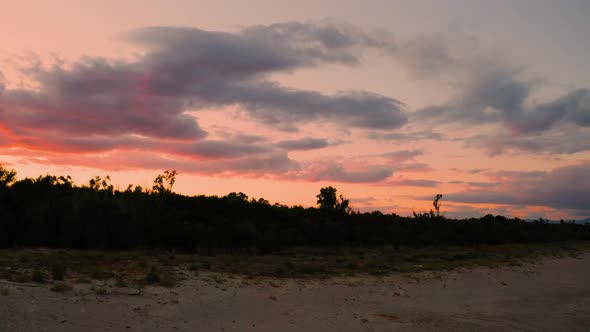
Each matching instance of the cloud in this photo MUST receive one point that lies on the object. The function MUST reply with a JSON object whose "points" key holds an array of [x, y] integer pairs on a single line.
{"points": [[497, 95], [95, 96], [486, 90], [326, 170], [406, 137], [563, 140], [151, 103], [275, 164], [260, 48], [461, 211], [303, 144], [482, 184], [413, 167], [403, 155], [215, 69], [404, 182], [368, 200], [562, 188]]}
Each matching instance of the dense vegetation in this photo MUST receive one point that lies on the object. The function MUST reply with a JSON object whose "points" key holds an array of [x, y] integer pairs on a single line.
{"points": [[52, 211]]}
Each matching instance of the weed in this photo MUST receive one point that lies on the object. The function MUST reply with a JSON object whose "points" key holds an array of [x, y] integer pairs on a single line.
{"points": [[99, 290], [38, 276], [121, 283], [152, 276], [83, 281], [61, 287], [100, 274], [57, 272]]}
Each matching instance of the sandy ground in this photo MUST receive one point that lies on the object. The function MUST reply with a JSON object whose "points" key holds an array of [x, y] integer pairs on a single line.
{"points": [[552, 295]]}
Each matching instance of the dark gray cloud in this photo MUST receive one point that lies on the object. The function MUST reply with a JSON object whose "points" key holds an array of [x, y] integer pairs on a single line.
{"points": [[95, 97], [488, 90], [219, 68], [403, 155], [245, 138], [275, 105], [218, 149], [413, 167], [99, 105], [562, 188], [261, 48], [406, 137], [482, 184], [500, 97], [403, 182], [563, 140], [475, 184], [328, 170], [303, 144]]}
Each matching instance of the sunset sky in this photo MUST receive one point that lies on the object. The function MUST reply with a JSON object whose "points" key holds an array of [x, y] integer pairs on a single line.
{"points": [[391, 102]]}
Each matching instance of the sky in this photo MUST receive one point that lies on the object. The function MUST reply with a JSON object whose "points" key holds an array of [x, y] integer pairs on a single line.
{"points": [[391, 102]]}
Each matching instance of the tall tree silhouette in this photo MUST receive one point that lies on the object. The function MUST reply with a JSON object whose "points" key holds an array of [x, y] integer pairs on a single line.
{"points": [[329, 200]]}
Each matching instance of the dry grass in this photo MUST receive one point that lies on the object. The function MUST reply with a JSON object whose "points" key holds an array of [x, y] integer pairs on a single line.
{"points": [[139, 268]]}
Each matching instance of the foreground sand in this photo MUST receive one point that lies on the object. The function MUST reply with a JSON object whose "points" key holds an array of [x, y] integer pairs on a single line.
{"points": [[552, 295]]}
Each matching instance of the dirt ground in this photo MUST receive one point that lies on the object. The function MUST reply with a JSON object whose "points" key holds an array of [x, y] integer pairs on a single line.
{"points": [[551, 295]]}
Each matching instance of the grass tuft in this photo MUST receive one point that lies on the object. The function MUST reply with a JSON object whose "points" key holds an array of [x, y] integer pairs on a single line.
{"points": [[38, 276], [61, 287]]}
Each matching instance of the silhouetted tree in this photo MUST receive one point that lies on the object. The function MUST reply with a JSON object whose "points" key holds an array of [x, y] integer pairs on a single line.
{"points": [[7, 177], [436, 203], [99, 184], [52, 211], [163, 183], [329, 200]]}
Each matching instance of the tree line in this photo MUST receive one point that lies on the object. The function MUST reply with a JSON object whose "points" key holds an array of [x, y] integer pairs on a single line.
{"points": [[52, 211]]}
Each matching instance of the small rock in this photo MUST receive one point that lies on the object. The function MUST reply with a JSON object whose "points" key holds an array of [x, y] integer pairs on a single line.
{"points": [[272, 297]]}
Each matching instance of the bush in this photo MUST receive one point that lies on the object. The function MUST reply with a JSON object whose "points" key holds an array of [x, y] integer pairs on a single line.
{"points": [[38, 276], [61, 287], [152, 277], [57, 272], [52, 212]]}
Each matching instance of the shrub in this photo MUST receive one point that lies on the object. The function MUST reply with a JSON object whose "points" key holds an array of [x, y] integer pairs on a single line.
{"points": [[61, 287], [38, 276], [152, 276], [57, 272]]}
